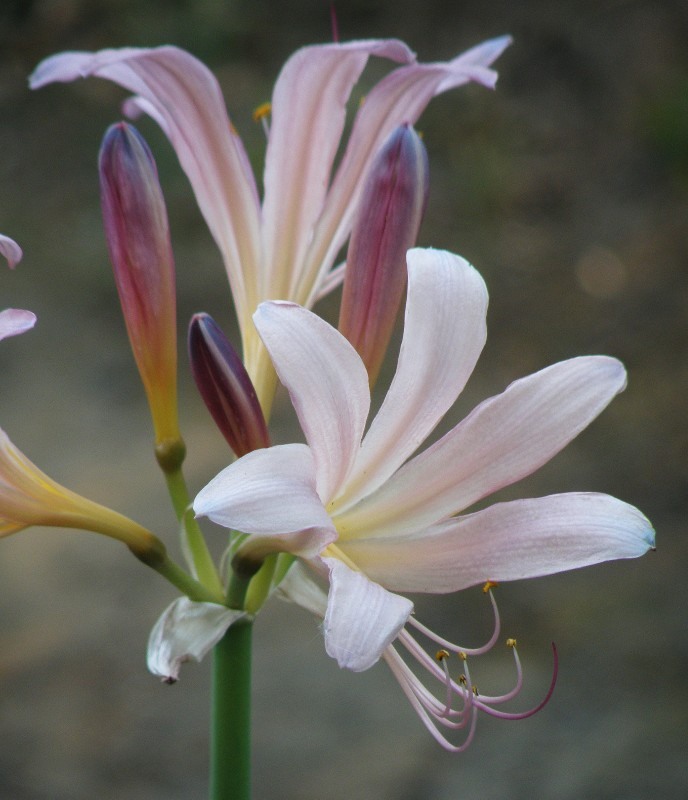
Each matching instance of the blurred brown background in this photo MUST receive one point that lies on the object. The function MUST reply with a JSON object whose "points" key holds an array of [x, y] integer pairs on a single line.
{"points": [[568, 189]]}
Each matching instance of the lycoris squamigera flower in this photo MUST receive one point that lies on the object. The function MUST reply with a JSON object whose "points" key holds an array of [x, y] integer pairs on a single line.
{"points": [[371, 520], [285, 246]]}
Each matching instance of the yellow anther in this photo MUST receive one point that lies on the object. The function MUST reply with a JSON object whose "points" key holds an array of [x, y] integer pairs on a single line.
{"points": [[440, 655], [489, 585], [511, 642], [463, 680], [463, 656], [475, 690], [262, 112]]}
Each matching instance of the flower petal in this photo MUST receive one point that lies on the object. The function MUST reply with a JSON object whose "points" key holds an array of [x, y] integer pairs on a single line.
{"points": [[300, 586], [398, 98], [14, 321], [10, 250], [270, 493], [362, 618], [186, 630], [327, 383], [307, 119], [444, 332], [184, 97], [504, 439], [506, 542]]}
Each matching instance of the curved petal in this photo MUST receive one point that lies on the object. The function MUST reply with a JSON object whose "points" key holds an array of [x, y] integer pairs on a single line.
{"points": [[506, 542], [270, 493], [300, 586], [327, 383], [10, 250], [14, 321], [501, 441], [185, 98], [398, 98], [307, 119], [362, 618], [186, 630], [444, 332]]}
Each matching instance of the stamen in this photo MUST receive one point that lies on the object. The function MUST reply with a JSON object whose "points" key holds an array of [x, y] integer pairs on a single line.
{"points": [[261, 114], [489, 585]]}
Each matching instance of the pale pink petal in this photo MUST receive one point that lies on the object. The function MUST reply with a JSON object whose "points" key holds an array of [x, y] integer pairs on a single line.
{"points": [[307, 119], [184, 97], [506, 542], [444, 332], [270, 493], [400, 97], [10, 250], [14, 321], [504, 439], [185, 631], [300, 586], [362, 618], [327, 383]]}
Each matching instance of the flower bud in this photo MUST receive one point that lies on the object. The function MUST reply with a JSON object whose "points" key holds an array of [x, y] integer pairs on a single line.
{"points": [[386, 226], [226, 387], [138, 240]]}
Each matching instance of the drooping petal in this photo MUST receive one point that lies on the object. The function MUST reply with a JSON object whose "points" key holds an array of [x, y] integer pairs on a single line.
{"points": [[14, 321], [507, 541], [187, 102], [270, 493], [444, 332], [362, 618], [301, 587], [327, 383], [504, 439], [398, 98], [185, 631], [307, 119], [10, 250]]}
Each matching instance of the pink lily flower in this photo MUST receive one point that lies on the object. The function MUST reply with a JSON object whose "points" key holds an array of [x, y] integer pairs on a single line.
{"points": [[372, 520], [284, 247]]}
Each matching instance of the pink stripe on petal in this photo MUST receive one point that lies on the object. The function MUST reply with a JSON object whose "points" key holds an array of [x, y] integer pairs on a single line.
{"points": [[506, 542], [501, 441], [327, 383], [362, 618]]}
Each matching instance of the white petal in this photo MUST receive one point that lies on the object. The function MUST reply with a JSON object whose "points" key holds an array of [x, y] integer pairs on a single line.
{"points": [[300, 586], [307, 119], [506, 542], [362, 618], [186, 630], [444, 333], [327, 383], [14, 321], [504, 439], [270, 493], [10, 250], [185, 98], [400, 97]]}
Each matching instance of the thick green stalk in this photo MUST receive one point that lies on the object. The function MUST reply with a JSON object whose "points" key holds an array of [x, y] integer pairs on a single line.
{"points": [[230, 747]]}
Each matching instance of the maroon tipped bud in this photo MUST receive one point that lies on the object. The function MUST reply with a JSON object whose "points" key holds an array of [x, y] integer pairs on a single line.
{"points": [[138, 241], [226, 387], [386, 226]]}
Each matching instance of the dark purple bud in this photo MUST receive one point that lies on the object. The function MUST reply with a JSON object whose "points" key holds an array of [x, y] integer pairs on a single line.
{"points": [[226, 387]]}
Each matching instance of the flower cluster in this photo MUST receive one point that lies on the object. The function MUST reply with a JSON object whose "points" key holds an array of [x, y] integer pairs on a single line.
{"points": [[364, 512]]}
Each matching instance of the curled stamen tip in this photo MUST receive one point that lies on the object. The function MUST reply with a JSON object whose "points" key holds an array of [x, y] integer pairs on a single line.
{"points": [[262, 111], [463, 680], [475, 690], [511, 642], [462, 656], [489, 585], [441, 655]]}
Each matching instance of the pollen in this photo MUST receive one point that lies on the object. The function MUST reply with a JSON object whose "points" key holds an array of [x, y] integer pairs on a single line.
{"points": [[489, 585], [462, 656], [511, 642], [262, 111], [441, 655]]}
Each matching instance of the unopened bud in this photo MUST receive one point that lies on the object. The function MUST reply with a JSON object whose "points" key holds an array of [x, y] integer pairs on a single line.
{"points": [[138, 239], [225, 387], [386, 226]]}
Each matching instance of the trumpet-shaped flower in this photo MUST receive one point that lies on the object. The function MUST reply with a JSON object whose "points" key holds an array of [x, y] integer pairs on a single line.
{"points": [[374, 520], [284, 247]]}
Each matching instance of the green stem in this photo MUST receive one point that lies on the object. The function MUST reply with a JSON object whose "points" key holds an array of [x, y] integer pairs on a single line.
{"points": [[230, 748], [196, 545], [195, 590]]}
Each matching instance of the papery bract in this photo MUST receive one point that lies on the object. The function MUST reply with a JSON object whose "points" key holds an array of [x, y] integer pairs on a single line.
{"points": [[285, 247]]}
